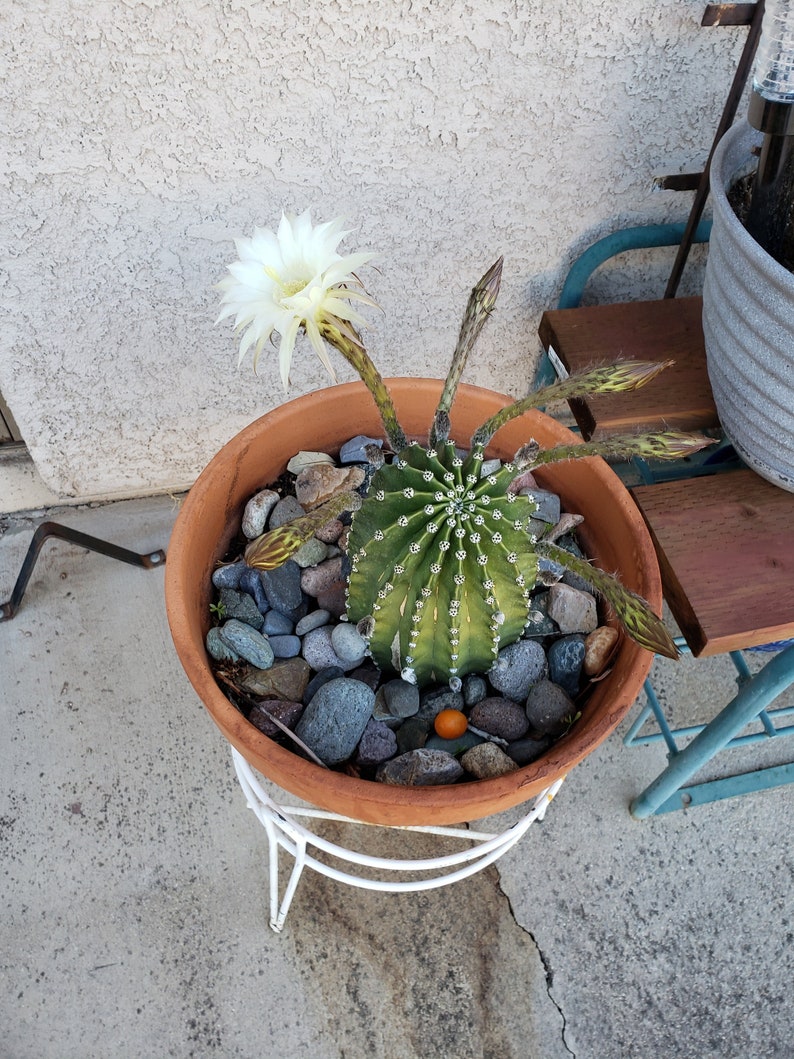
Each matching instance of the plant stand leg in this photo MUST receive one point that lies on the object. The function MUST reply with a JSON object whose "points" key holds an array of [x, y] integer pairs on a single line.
{"points": [[148, 561], [285, 832]]}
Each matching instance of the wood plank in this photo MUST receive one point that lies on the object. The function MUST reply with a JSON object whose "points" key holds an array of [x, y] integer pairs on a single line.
{"points": [[726, 551], [658, 330], [728, 14]]}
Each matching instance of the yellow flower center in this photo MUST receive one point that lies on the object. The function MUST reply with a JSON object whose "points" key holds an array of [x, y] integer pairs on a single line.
{"points": [[288, 290]]}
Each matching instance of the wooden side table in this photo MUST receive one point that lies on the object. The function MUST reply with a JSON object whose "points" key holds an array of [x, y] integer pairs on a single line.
{"points": [[725, 542]]}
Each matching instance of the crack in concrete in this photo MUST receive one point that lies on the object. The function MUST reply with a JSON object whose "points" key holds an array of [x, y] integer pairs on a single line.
{"points": [[546, 967]]}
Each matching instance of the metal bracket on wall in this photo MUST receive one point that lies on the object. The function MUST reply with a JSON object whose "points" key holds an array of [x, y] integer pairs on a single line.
{"points": [[54, 529]]}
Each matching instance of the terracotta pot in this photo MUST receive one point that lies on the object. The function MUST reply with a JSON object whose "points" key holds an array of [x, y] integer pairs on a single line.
{"points": [[613, 534]]}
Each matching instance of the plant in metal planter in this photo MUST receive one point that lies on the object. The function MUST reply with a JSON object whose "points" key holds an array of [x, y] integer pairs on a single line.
{"points": [[748, 295], [443, 554]]}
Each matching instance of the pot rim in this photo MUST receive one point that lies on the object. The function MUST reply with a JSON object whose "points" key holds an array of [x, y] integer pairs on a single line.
{"points": [[732, 159], [369, 800]]}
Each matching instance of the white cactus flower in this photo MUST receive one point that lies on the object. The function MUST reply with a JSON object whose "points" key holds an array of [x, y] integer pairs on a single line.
{"points": [[292, 279]]}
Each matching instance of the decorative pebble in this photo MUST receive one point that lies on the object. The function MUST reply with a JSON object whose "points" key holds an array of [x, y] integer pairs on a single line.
{"points": [[285, 511], [381, 712], [537, 528], [598, 648], [285, 679], [334, 720], [251, 582], [354, 451], [572, 610], [241, 606], [283, 588], [218, 649], [288, 713], [475, 689], [334, 598], [285, 646], [568, 522], [348, 643], [228, 576], [501, 717], [319, 578], [317, 681], [433, 702], [248, 643], [549, 708], [486, 761], [313, 620], [525, 751], [413, 733], [566, 657], [517, 668], [368, 673], [305, 458], [277, 624], [420, 768], [401, 698], [330, 532], [310, 553], [318, 483], [548, 505], [378, 744], [575, 581], [256, 512], [454, 746], [489, 467], [538, 621], [318, 650]]}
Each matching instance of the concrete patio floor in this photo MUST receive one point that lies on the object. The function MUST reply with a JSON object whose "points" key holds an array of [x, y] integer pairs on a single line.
{"points": [[135, 916]]}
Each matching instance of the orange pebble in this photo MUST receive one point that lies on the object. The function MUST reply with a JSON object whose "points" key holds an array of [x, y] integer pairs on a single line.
{"points": [[450, 724]]}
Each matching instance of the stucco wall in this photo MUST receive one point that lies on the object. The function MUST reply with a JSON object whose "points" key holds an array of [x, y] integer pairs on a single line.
{"points": [[141, 136]]}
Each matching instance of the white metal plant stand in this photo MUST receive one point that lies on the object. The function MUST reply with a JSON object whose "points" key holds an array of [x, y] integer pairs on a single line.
{"points": [[285, 832]]}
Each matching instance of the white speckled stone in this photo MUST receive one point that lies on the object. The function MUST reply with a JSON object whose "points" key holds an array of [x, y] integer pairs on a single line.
{"points": [[256, 511]]}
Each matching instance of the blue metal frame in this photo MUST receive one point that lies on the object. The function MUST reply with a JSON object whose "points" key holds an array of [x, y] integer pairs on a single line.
{"points": [[670, 790]]}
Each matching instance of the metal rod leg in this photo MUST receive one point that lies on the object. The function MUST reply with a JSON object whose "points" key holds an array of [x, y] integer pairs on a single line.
{"points": [[148, 561], [299, 853], [776, 676]]}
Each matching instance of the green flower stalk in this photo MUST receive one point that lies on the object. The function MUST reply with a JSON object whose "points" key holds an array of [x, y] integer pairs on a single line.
{"points": [[443, 558]]}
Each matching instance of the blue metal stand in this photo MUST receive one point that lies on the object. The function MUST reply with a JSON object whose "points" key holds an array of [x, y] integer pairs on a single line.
{"points": [[670, 790]]}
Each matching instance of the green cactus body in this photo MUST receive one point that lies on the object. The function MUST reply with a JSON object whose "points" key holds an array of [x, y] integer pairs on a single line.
{"points": [[442, 564]]}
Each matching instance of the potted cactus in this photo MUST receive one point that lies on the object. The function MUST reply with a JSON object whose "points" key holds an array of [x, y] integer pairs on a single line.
{"points": [[443, 559]]}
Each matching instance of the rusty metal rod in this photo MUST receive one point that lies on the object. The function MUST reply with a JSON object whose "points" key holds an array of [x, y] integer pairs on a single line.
{"points": [[54, 529], [728, 114]]}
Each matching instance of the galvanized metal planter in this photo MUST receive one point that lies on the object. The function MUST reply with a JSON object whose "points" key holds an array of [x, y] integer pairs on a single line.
{"points": [[748, 323]]}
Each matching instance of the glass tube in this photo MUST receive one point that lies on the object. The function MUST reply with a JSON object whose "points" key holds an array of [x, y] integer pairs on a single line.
{"points": [[773, 75]]}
